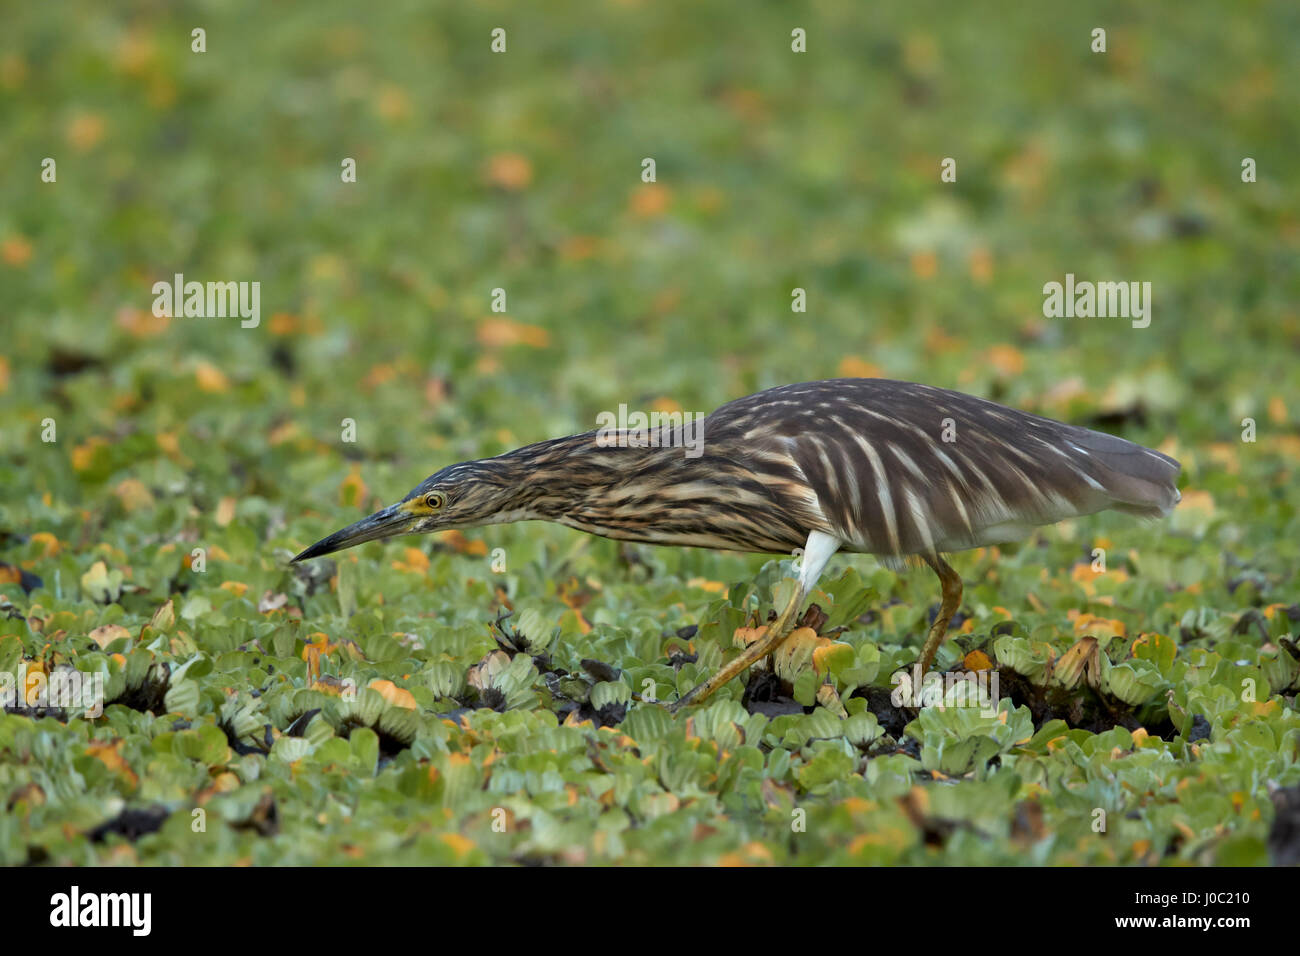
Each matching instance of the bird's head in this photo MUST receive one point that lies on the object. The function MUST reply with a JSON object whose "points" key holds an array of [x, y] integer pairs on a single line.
{"points": [[460, 496]]}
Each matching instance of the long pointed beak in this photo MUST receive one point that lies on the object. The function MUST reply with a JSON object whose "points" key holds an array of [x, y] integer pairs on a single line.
{"points": [[382, 524]]}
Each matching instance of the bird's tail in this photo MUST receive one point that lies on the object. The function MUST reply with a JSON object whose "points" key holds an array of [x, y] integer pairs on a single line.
{"points": [[1138, 480]]}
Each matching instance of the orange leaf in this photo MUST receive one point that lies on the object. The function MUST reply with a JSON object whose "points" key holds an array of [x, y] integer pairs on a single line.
{"points": [[981, 265], [501, 331], [110, 755], [395, 695], [463, 545], [142, 323], [925, 264], [650, 200], [853, 367], [509, 171], [16, 251], [1007, 360], [85, 130]]}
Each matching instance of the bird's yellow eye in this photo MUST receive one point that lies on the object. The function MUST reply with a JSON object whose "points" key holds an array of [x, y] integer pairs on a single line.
{"points": [[435, 500]]}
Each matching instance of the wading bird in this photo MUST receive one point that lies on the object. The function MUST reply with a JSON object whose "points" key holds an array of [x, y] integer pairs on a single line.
{"points": [[902, 471]]}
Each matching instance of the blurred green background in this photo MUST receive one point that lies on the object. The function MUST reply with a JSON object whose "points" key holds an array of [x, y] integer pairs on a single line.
{"points": [[522, 171]]}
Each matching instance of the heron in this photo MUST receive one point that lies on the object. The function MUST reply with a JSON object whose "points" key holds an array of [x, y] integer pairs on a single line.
{"points": [[903, 471]]}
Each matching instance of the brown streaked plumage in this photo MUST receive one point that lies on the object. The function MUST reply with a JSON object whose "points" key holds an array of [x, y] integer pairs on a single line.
{"points": [[889, 468]]}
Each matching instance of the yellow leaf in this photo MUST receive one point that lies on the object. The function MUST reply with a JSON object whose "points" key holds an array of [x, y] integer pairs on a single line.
{"points": [[85, 130], [751, 854], [210, 378], [353, 491], [283, 323], [1102, 627], [141, 323], [49, 544], [134, 494], [1196, 500], [103, 636], [798, 650], [821, 656], [393, 103], [282, 433], [96, 582], [225, 511], [169, 444], [83, 455], [460, 844], [665, 404], [577, 248], [713, 587], [164, 617], [1277, 410]]}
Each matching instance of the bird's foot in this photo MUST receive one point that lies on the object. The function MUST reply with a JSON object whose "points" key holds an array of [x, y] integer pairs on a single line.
{"points": [[686, 699], [777, 631]]}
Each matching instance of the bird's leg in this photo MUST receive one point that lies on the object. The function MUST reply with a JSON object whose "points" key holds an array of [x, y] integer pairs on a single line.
{"points": [[776, 632], [950, 581], [818, 551]]}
